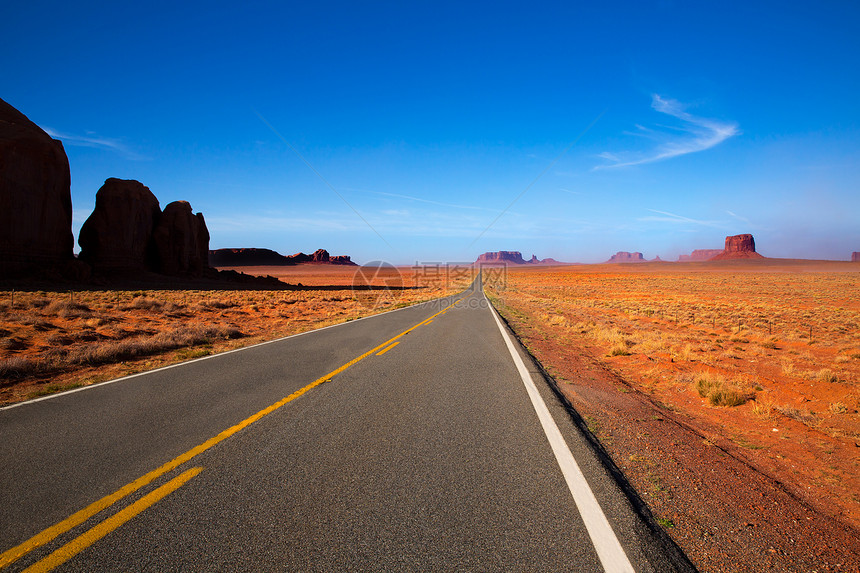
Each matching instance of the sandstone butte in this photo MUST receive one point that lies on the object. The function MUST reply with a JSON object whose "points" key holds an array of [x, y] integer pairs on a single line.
{"points": [[128, 232], [738, 247], [700, 255], [35, 199], [855, 257], [513, 257], [625, 257], [251, 257]]}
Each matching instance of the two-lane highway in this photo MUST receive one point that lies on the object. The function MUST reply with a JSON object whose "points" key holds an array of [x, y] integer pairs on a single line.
{"points": [[412, 440]]}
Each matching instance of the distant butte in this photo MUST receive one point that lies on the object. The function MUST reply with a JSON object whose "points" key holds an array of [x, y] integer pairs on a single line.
{"points": [[513, 257], [855, 257], [738, 247], [250, 257], [700, 255], [625, 257]]}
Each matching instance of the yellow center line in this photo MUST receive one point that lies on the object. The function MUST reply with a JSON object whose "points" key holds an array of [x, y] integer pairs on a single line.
{"points": [[80, 543], [11, 555], [381, 352]]}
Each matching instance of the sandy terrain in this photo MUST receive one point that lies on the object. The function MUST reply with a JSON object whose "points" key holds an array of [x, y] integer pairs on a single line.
{"points": [[727, 393], [53, 341]]}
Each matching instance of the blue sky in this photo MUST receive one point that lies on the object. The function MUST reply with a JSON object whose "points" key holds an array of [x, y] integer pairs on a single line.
{"points": [[435, 131]]}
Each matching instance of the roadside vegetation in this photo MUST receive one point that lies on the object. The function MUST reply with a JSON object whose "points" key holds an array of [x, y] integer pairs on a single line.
{"points": [[53, 341]]}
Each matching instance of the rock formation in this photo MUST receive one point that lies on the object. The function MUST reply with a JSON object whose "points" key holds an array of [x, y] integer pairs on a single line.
{"points": [[738, 247], [855, 257], [501, 257], [625, 257], [513, 257], [35, 198], [267, 257], [117, 235], [700, 255], [181, 241]]}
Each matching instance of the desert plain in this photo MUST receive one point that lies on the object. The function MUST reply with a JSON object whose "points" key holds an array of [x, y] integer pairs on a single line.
{"points": [[726, 394]]}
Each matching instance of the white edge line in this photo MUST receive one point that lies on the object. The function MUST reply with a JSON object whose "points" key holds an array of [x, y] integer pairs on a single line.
{"points": [[216, 355], [609, 549]]}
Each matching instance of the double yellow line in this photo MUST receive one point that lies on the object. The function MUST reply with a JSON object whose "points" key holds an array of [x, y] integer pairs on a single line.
{"points": [[80, 543]]}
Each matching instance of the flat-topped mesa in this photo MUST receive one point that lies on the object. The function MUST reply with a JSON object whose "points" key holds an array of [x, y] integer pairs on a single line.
{"points": [[246, 258], [700, 255], [501, 257], [625, 257], [738, 247], [855, 257], [35, 198]]}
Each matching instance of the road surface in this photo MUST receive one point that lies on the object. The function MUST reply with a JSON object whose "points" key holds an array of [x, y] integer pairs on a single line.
{"points": [[419, 439]]}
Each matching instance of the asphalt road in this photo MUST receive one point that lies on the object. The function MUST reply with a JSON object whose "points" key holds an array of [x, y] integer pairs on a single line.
{"points": [[430, 453]]}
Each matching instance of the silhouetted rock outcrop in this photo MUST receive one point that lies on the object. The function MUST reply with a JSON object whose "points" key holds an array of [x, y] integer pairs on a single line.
{"points": [[268, 257], [117, 236], [625, 257], [181, 241], [35, 198], [246, 258], [700, 255], [738, 247]]}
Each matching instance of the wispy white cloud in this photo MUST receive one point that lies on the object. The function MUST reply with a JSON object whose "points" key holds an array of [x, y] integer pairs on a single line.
{"points": [[738, 217], [666, 217], [693, 135], [421, 200], [92, 140]]}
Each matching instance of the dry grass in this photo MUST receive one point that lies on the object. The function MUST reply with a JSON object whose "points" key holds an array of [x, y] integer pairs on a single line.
{"points": [[51, 339], [764, 352]]}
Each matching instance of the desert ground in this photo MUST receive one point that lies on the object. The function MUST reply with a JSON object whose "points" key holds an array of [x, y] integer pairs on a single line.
{"points": [[727, 393], [54, 341]]}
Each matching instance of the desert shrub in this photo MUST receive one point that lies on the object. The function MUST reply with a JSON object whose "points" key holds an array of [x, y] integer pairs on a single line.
{"points": [[143, 303], [17, 367], [826, 375], [719, 391], [619, 349], [68, 309], [838, 408]]}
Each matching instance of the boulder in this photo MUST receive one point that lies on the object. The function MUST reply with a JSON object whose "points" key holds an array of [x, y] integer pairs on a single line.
{"points": [[181, 241], [117, 236], [35, 198], [625, 257], [738, 247]]}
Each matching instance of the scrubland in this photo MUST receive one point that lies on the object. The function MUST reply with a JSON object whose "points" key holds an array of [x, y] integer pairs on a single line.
{"points": [[54, 341], [762, 361]]}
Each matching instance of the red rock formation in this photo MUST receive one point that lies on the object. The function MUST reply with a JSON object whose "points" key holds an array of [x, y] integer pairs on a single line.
{"points": [[625, 257], [177, 238], [700, 255], [341, 260], [117, 235], [500, 257], [855, 257], [738, 247], [320, 256], [246, 257], [35, 197]]}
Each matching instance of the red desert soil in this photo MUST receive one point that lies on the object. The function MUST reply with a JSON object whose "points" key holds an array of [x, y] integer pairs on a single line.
{"points": [[739, 430], [54, 341]]}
